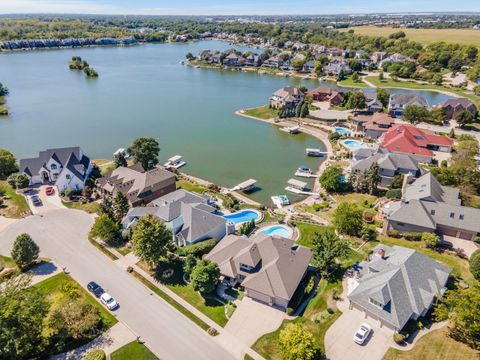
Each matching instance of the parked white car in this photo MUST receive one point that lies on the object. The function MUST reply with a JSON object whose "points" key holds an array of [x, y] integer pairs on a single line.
{"points": [[362, 333], [109, 301]]}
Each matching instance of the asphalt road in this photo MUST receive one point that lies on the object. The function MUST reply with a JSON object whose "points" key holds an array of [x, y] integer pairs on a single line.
{"points": [[62, 236]]}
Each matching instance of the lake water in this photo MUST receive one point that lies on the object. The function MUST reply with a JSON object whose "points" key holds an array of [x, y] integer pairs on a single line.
{"points": [[144, 91]]}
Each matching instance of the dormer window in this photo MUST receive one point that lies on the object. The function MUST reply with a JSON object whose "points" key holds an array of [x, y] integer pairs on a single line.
{"points": [[432, 212], [452, 215], [461, 216], [53, 166], [67, 176], [376, 303], [245, 267]]}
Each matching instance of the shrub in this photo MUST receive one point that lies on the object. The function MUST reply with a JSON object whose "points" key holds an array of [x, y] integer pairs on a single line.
{"points": [[198, 249], [393, 194], [369, 233], [212, 331], [398, 338], [475, 264], [95, 355], [412, 236], [431, 240], [394, 234]]}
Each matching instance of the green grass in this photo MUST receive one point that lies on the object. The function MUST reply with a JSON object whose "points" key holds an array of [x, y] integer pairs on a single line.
{"points": [[209, 306], [262, 112], [52, 286], [133, 350], [172, 302], [425, 36], [103, 249], [459, 266], [348, 82], [16, 206], [190, 186], [389, 83], [435, 346], [6, 261], [307, 233], [90, 207]]}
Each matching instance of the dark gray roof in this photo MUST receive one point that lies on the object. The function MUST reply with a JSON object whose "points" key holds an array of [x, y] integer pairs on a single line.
{"points": [[390, 161], [428, 188], [454, 102], [403, 281], [408, 99]]}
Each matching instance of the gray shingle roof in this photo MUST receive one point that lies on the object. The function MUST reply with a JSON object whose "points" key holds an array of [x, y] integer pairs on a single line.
{"points": [[390, 161], [403, 281]]}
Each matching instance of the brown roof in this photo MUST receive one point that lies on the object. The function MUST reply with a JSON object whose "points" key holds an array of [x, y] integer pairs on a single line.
{"points": [[279, 264]]}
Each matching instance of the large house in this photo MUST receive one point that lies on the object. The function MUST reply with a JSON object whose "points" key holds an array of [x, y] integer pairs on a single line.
{"points": [[336, 67], [407, 139], [374, 126], [324, 93], [390, 164], [455, 106], [189, 216], [67, 168], [270, 268], [286, 98], [398, 103], [139, 186], [427, 206], [397, 284]]}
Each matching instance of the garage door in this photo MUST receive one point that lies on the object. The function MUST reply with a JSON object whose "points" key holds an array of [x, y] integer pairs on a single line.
{"points": [[447, 231], [466, 235]]}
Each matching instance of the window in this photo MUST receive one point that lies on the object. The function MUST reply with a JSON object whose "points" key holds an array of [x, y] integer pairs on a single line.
{"points": [[67, 176], [432, 212], [460, 216], [53, 166], [452, 215], [375, 302]]}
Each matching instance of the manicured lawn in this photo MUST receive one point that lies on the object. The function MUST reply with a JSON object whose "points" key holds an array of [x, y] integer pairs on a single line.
{"points": [[52, 286], [389, 83], [91, 207], [435, 346], [348, 82], [262, 112], [190, 186], [425, 36], [460, 266], [5, 261], [307, 233], [134, 350], [16, 205]]}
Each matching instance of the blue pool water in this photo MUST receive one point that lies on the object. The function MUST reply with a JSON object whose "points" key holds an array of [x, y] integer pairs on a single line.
{"points": [[242, 216], [278, 230], [353, 144], [342, 131]]}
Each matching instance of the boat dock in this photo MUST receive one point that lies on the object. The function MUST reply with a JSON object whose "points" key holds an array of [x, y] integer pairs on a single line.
{"points": [[174, 162], [300, 187], [315, 152], [247, 185], [291, 129], [305, 175], [280, 201]]}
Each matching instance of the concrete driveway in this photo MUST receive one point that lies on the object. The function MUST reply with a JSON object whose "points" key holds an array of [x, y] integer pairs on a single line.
{"points": [[49, 203], [62, 236], [339, 343]]}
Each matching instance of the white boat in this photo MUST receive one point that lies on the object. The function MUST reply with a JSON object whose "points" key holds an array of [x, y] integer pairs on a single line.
{"points": [[314, 152], [175, 162], [280, 201], [291, 129], [123, 152], [305, 172]]}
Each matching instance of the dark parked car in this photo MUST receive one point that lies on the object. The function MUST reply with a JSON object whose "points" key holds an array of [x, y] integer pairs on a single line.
{"points": [[95, 289]]}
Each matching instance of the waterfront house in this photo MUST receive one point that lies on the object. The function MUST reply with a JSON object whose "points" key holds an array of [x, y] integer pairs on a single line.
{"points": [[286, 98], [334, 68], [398, 58], [398, 103], [374, 126], [389, 164], [191, 217], [323, 93], [397, 284], [420, 144], [252, 60], [273, 62], [428, 206], [334, 52], [269, 268], [139, 186], [373, 104], [67, 168], [204, 55], [308, 67], [455, 106], [378, 56]]}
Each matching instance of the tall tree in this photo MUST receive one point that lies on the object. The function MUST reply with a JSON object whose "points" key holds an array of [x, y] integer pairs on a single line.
{"points": [[150, 239], [120, 161], [465, 118], [8, 164], [105, 229], [348, 219], [296, 343], [332, 179], [24, 251], [356, 101], [415, 114], [205, 276], [22, 313], [383, 96], [373, 178], [120, 206], [327, 246], [145, 151]]}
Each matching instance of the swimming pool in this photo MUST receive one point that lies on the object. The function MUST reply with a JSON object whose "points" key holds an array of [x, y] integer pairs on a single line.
{"points": [[353, 144], [242, 216], [342, 131], [278, 230]]}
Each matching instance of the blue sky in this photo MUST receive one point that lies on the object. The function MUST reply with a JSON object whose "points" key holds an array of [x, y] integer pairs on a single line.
{"points": [[227, 7]]}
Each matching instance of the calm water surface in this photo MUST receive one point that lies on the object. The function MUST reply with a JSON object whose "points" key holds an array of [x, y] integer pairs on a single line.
{"points": [[144, 91]]}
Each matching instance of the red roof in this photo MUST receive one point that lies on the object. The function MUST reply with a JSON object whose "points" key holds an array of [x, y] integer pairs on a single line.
{"points": [[408, 139]]}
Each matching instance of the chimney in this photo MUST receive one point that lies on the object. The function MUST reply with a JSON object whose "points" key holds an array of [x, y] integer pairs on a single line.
{"points": [[407, 180]]}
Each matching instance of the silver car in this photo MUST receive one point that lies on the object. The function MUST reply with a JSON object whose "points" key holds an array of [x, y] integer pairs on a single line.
{"points": [[362, 333]]}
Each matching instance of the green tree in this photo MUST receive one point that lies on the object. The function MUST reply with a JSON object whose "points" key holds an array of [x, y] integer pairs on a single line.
{"points": [[24, 251], [369, 233], [120, 161], [355, 77], [105, 229], [348, 219], [438, 114], [296, 343], [3, 90], [474, 263], [205, 276], [327, 246], [415, 114], [190, 56], [297, 64], [97, 354], [150, 239], [145, 151], [372, 178], [465, 118], [341, 76], [189, 264], [383, 96], [461, 309], [356, 101], [120, 206], [431, 240], [332, 179], [22, 313], [304, 110], [355, 65], [8, 164]]}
